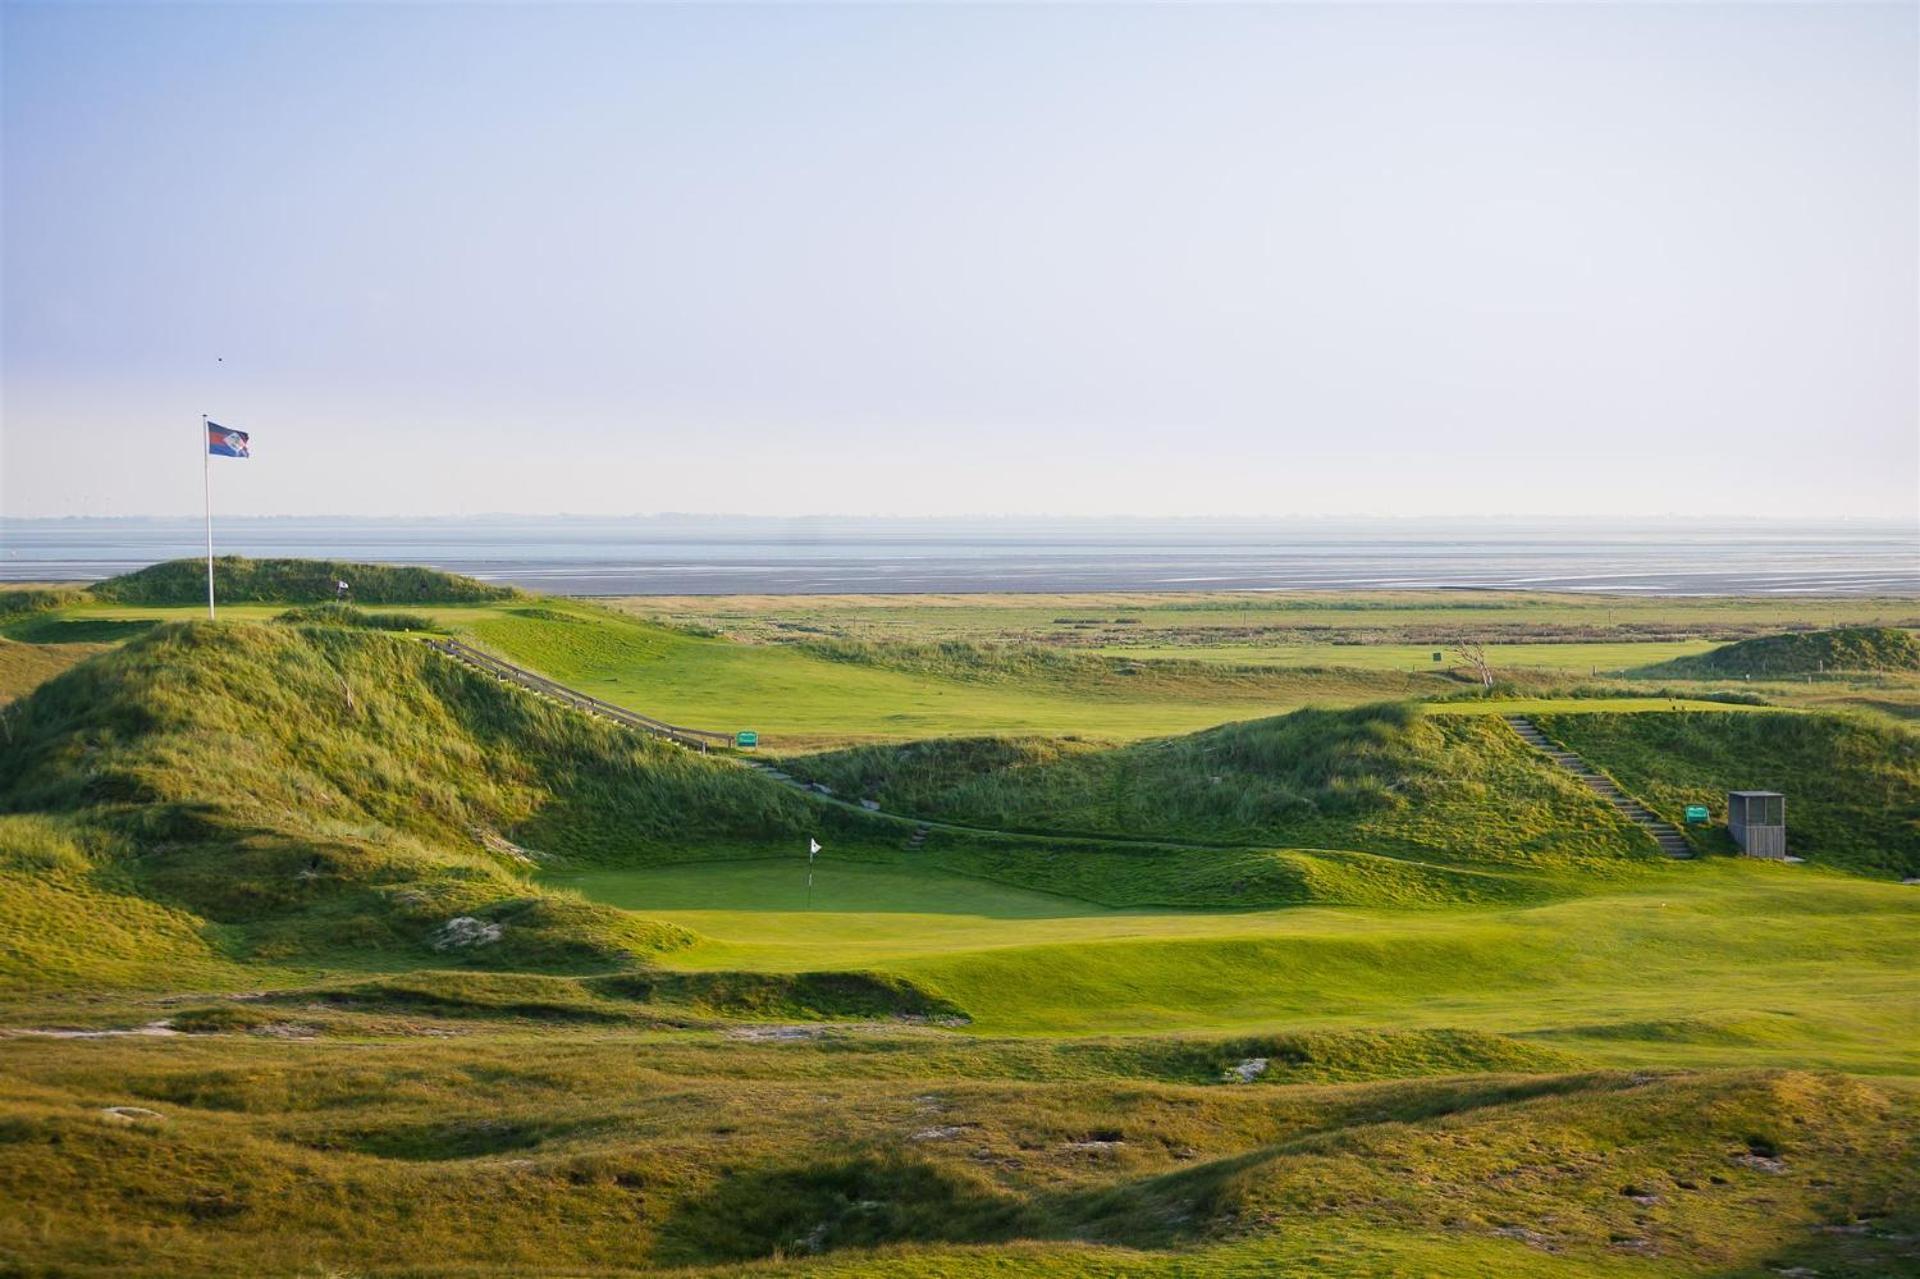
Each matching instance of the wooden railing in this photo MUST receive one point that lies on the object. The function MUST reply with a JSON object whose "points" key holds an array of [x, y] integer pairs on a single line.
{"points": [[697, 738]]}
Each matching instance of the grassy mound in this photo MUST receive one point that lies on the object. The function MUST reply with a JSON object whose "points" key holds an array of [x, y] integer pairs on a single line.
{"points": [[25, 667], [317, 789], [348, 615], [21, 601], [1852, 784], [1381, 778], [1852, 648], [246, 581], [639, 1159]]}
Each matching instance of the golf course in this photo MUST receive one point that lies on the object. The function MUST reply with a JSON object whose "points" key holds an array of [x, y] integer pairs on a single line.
{"points": [[1175, 934]]}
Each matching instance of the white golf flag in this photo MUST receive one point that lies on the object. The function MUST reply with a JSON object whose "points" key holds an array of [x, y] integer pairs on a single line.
{"points": [[813, 846]]}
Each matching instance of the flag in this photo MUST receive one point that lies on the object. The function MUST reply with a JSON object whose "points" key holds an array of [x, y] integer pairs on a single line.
{"points": [[813, 846], [224, 441]]}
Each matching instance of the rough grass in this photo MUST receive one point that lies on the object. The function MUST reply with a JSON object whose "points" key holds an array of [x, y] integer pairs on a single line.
{"points": [[1853, 648], [348, 615], [1852, 784], [318, 789], [457, 1158], [239, 580], [20, 601], [25, 667], [1382, 778]]}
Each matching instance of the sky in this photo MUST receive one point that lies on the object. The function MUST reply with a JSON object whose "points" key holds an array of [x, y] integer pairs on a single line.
{"points": [[1569, 259]]}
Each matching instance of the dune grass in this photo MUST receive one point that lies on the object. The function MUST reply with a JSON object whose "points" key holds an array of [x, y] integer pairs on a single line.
{"points": [[1382, 778], [239, 580], [318, 790], [1853, 784], [609, 1157], [1855, 648], [25, 667]]}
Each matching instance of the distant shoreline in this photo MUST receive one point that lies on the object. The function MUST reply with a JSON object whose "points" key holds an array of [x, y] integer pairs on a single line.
{"points": [[715, 556]]}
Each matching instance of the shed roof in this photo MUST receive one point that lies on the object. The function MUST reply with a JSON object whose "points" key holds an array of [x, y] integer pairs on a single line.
{"points": [[1758, 794]]}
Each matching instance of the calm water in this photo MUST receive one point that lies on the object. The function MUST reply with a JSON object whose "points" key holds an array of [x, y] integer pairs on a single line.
{"points": [[686, 555]]}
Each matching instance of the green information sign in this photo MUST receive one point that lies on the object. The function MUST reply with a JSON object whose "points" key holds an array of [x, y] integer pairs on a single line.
{"points": [[1696, 814], [746, 738]]}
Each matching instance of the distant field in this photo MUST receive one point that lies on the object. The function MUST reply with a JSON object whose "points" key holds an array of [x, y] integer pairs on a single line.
{"points": [[796, 698], [1179, 664], [1215, 619], [1626, 703], [1575, 659]]}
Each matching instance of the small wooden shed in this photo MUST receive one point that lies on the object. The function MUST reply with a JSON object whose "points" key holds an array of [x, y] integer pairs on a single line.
{"points": [[1757, 820]]}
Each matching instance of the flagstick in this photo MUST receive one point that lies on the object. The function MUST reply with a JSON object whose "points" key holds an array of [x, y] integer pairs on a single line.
{"points": [[206, 486]]}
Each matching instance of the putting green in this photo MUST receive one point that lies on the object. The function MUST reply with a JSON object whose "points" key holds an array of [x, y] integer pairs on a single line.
{"points": [[1712, 963]]}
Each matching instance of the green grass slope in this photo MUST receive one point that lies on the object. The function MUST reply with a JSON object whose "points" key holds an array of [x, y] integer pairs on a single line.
{"points": [[238, 580], [248, 1158], [305, 791], [1852, 784], [25, 667], [1851, 648], [1382, 778]]}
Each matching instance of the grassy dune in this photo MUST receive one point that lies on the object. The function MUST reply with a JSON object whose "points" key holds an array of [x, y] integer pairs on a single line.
{"points": [[312, 790], [1381, 778], [1859, 648], [242, 581], [1853, 784]]}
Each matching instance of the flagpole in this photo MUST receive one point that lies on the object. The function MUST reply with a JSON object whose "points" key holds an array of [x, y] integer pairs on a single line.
{"points": [[206, 488]]}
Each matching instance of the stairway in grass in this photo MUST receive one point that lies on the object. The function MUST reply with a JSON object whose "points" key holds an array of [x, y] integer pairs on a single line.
{"points": [[1671, 841]]}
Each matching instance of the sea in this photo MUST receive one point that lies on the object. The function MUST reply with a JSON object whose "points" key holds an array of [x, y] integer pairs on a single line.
{"points": [[706, 555]]}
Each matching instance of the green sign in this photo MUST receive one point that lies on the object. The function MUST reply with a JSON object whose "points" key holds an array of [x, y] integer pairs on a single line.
{"points": [[1439, 657], [746, 738], [1696, 814]]}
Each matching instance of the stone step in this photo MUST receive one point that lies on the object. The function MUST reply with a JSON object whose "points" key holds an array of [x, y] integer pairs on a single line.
{"points": [[1670, 841]]}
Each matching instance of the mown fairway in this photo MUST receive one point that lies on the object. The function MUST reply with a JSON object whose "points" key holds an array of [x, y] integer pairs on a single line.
{"points": [[1719, 964]]}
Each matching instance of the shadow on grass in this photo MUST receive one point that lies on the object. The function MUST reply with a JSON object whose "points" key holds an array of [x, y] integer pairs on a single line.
{"points": [[849, 885], [870, 1201], [849, 1203], [77, 630]]}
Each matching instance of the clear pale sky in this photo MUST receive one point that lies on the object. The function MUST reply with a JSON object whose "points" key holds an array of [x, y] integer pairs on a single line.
{"points": [[1569, 259]]}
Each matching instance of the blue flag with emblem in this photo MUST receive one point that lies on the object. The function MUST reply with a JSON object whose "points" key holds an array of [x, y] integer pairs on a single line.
{"points": [[224, 441]]}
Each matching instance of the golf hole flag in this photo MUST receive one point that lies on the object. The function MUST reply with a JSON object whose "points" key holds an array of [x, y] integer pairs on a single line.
{"points": [[224, 441]]}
